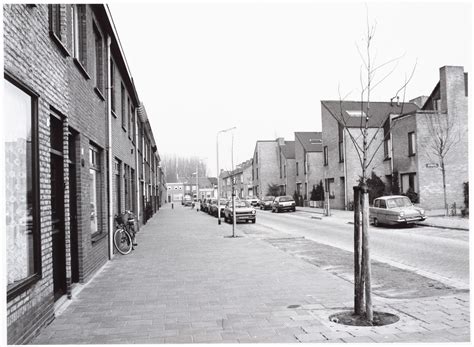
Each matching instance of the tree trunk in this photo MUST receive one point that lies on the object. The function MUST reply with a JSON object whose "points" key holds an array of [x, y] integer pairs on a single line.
{"points": [[443, 171], [366, 270], [358, 284]]}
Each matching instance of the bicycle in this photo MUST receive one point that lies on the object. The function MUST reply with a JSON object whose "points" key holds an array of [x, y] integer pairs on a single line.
{"points": [[124, 235]]}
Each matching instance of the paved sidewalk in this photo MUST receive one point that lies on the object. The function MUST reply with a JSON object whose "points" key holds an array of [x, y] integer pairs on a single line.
{"points": [[435, 218], [186, 282]]}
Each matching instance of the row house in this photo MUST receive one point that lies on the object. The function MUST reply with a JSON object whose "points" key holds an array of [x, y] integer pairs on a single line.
{"points": [[341, 163], [287, 166], [406, 137], [175, 192], [149, 158], [274, 163], [416, 138], [242, 175], [308, 156], [77, 152], [200, 189]]}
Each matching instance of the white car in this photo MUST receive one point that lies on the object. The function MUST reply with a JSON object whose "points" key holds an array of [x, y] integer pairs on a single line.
{"points": [[253, 201]]}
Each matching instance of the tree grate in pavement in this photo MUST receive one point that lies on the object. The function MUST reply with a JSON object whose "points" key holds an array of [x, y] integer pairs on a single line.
{"points": [[387, 281]]}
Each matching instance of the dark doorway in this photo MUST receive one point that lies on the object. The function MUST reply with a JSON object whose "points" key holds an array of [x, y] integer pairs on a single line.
{"points": [[57, 207], [73, 208]]}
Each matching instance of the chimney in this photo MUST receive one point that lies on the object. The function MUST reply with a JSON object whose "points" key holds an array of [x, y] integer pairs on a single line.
{"points": [[281, 141]]}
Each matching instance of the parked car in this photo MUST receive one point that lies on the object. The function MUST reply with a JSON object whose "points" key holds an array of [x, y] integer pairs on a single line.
{"points": [[283, 203], [205, 205], [187, 200], [210, 204], [243, 212], [214, 207], [253, 201], [395, 209], [266, 202]]}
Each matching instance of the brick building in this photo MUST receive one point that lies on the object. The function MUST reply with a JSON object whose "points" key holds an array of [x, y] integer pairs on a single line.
{"points": [[74, 150], [341, 164], [265, 168], [243, 181], [287, 166], [444, 115], [175, 192], [309, 162]]}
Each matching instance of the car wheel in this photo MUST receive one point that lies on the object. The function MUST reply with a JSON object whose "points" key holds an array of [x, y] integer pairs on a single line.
{"points": [[253, 221], [376, 222]]}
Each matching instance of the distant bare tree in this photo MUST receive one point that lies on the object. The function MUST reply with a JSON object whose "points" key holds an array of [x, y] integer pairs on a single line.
{"points": [[178, 167], [366, 147], [445, 133]]}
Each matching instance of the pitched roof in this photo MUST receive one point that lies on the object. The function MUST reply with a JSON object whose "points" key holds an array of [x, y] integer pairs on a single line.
{"points": [[310, 140], [354, 112], [289, 149]]}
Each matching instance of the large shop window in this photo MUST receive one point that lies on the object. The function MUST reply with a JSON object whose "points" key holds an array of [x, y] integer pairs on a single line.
{"points": [[21, 187], [95, 189]]}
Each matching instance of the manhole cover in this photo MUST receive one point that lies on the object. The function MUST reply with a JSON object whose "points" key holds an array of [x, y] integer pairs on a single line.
{"points": [[349, 318]]}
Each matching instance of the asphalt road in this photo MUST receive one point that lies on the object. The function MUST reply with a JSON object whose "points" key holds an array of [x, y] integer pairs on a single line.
{"points": [[439, 254]]}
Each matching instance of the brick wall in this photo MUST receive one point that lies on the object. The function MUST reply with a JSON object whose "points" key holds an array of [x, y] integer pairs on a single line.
{"points": [[32, 57], [429, 180], [350, 168], [268, 166]]}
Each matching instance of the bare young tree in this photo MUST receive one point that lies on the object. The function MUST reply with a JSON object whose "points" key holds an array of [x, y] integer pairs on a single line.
{"points": [[367, 144], [445, 133]]}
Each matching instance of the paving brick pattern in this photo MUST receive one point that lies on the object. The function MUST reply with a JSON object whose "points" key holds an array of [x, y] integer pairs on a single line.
{"points": [[187, 283]]}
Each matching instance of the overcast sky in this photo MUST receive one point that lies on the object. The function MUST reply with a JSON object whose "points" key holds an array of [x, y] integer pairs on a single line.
{"points": [[264, 67]]}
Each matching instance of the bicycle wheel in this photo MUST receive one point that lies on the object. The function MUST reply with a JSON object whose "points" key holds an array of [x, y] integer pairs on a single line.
{"points": [[122, 241]]}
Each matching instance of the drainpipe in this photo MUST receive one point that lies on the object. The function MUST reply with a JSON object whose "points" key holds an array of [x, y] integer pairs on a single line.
{"points": [[137, 183], [109, 154]]}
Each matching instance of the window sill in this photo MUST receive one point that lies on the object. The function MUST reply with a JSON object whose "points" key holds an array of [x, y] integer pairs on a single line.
{"points": [[114, 114], [387, 159], [96, 237], [82, 69], [99, 93], [60, 44], [411, 155], [22, 286], [124, 129]]}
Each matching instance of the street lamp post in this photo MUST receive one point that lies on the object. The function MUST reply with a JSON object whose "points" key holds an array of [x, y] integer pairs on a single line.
{"points": [[218, 176], [233, 187]]}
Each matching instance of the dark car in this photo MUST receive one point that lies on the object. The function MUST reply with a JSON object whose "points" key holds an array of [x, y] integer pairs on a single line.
{"points": [[266, 203], [244, 212], [205, 205], [214, 207], [283, 203]]}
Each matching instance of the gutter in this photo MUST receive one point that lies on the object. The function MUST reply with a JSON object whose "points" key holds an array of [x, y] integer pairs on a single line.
{"points": [[137, 170]]}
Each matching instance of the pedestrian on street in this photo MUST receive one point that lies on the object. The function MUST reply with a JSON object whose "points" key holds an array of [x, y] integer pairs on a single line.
{"points": [[172, 205]]}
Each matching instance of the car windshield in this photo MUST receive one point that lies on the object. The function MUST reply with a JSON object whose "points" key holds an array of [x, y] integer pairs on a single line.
{"points": [[240, 204], [398, 202], [268, 198], [286, 198]]}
